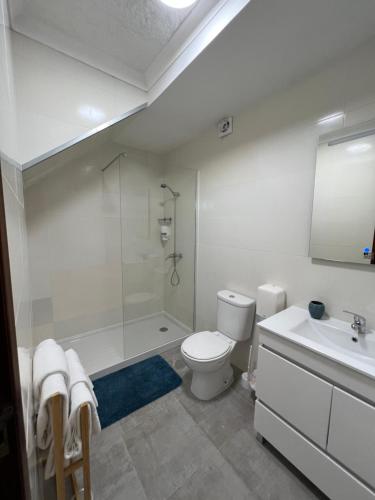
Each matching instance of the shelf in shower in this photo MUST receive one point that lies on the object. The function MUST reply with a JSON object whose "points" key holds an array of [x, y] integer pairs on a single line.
{"points": [[139, 298]]}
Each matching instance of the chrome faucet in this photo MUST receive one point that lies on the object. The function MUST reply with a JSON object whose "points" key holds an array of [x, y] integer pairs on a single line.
{"points": [[359, 323]]}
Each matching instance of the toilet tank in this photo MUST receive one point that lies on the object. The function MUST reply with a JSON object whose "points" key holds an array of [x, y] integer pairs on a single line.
{"points": [[235, 314]]}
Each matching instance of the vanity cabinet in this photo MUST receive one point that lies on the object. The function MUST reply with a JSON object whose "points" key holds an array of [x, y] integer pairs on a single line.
{"points": [[333, 479], [352, 434], [303, 399], [326, 432]]}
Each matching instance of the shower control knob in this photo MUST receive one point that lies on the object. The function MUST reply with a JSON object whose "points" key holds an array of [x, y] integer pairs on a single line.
{"points": [[174, 256]]}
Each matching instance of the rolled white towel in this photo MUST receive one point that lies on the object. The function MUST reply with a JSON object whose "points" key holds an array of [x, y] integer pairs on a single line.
{"points": [[49, 359], [52, 385], [77, 373], [79, 395]]}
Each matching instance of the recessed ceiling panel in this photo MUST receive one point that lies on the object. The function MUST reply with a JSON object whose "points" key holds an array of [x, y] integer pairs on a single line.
{"points": [[121, 37]]}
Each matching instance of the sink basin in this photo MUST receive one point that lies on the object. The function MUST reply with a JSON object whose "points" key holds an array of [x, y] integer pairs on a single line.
{"points": [[330, 337], [344, 339]]}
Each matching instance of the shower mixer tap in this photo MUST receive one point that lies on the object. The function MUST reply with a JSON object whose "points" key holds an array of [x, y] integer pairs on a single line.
{"points": [[174, 256]]}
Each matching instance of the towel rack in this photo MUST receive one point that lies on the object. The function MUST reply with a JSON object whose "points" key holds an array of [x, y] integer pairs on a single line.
{"points": [[61, 471]]}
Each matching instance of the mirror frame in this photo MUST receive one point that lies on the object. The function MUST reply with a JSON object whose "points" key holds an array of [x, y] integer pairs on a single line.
{"points": [[339, 136]]}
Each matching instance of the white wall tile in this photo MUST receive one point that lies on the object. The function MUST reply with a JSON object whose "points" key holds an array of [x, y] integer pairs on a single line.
{"points": [[256, 194], [18, 256]]}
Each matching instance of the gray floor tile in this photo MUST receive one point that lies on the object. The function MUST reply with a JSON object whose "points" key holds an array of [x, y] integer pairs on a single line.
{"points": [[199, 410], [213, 483], [263, 470], [181, 448], [114, 476], [231, 414], [174, 358], [167, 447]]}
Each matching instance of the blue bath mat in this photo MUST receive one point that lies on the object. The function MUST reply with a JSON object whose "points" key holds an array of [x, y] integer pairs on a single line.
{"points": [[127, 390]]}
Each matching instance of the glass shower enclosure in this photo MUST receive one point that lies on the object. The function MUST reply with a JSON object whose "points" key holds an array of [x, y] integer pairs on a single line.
{"points": [[158, 244], [111, 237]]}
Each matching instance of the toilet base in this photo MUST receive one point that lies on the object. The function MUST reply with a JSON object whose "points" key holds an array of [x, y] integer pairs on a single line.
{"points": [[207, 385]]}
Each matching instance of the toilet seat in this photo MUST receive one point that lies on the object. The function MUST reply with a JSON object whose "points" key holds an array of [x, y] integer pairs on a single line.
{"points": [[207, 346]]}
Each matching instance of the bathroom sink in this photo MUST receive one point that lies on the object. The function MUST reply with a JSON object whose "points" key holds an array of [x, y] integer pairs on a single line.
{"points": [[329, 337], [343, 339]]}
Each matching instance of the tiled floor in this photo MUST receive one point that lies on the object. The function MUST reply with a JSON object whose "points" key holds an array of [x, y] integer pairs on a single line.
{"points": [[179, 448]]}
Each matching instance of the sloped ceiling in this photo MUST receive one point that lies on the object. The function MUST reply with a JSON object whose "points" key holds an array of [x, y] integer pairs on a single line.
{"points": [[270, 45], [121, 37]]}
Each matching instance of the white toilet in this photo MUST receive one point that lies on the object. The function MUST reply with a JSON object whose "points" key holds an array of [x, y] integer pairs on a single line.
{"points": [[208, 353]]}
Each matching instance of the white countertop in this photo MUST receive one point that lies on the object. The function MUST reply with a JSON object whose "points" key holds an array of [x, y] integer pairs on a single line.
{"points": [[328, 337]]}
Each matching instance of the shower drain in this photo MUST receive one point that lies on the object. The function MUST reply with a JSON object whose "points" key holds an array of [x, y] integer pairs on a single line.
{"points": [[163, 329]]}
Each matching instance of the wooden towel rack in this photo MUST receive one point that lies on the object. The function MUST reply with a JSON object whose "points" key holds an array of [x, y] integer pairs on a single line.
{"points": [[61, 471]]}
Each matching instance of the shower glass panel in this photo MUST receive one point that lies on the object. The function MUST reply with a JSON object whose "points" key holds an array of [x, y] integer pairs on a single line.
{"points": [[111, 253], [155, 225], [74, 238]]}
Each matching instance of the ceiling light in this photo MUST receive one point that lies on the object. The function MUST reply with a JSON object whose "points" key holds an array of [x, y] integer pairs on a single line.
{"points": [[178, 4], [362, 147]]}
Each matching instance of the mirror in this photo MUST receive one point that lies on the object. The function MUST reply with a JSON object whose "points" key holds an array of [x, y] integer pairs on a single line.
{"points": [[343, 220]]}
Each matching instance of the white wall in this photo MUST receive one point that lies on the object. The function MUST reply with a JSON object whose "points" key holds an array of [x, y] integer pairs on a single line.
{"points": [[52, 98], [8, 112], [17, 243], [256, 192]]}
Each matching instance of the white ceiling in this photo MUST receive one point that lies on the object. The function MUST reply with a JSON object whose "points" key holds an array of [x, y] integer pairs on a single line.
{"points": [[268, 46], [121, 37]]}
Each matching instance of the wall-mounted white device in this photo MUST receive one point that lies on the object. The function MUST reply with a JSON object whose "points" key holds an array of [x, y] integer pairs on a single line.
{"points": [[165, 228], [225, 126]]}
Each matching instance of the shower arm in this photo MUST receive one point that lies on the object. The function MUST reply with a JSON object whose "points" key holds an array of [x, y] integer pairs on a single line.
{"points": [[175, 194]]}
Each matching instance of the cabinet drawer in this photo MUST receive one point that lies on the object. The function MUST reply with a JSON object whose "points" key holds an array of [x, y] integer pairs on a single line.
{"points": [[329, 476], [298, 396], [352, 434]]}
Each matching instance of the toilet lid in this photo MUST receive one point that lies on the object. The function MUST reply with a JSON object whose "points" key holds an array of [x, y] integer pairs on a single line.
{"points": [[206, 345]]}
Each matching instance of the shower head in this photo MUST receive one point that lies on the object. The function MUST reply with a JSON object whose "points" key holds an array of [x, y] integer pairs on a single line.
{"points": [[165, 186]]}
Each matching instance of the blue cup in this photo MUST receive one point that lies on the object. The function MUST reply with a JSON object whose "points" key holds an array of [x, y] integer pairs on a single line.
{"points": [[316, 309]]}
